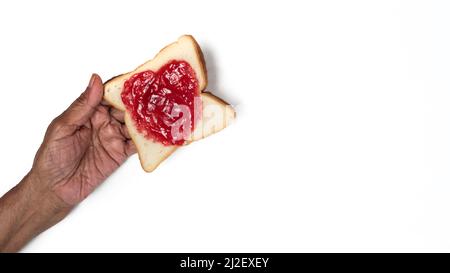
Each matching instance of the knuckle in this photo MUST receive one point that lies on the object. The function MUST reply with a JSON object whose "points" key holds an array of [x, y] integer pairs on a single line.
{"points": [[56, 123]]}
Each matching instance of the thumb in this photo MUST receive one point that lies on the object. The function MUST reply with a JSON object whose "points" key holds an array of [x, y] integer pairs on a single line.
{"points": [[84, 106]]}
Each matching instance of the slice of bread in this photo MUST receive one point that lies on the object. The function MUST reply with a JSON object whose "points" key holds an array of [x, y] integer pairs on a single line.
{"points": [[216, 114]]}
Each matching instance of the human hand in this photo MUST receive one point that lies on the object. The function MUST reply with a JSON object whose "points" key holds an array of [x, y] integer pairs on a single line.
{"points": [[82, 147]]}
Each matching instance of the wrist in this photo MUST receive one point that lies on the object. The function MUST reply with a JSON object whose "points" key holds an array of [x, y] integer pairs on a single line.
{"points": [[41, 195], [27, 210]]}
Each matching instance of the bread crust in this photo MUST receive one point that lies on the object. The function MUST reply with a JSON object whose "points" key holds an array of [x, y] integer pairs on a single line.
{"points": [[201, 57], [107, 98], [214, 97]]}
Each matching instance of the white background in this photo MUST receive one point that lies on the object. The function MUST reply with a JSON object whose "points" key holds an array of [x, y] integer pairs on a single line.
{"points": [[342, 139]]}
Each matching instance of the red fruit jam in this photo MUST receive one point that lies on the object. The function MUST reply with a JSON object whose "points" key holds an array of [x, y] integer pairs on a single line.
{"points": [[162, 103]]}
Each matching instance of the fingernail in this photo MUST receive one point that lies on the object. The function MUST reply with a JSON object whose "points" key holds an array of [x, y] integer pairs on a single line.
{"points": [[91, 81]]}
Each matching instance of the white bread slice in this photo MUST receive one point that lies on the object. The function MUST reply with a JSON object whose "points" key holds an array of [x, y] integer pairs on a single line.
{"points": [[185, 48], [216, 114]]}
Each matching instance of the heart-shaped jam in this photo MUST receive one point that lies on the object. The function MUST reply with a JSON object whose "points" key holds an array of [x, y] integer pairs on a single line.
{"points": [[162, 103]]}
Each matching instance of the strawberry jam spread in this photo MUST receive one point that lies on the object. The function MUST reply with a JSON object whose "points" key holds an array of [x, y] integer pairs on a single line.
{"points": [[162, 103]]}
